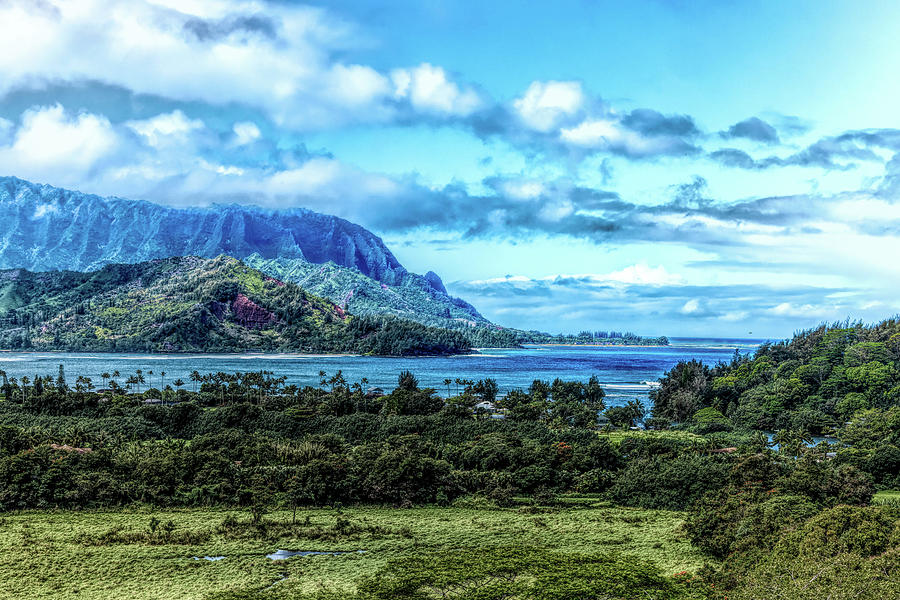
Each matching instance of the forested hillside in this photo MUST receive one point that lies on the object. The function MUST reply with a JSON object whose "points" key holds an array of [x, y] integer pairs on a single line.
{"points": [[814, 382], [416, 297], [193, 304]]}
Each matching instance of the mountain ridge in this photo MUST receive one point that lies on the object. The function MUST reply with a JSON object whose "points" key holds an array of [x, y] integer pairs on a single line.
{"points": [[194, 304], [43, 227]]}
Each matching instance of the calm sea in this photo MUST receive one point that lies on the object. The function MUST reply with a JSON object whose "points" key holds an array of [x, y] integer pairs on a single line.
{"points": [[625, 372]]}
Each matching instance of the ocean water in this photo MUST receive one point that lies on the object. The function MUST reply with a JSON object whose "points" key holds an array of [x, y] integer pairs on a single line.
{"points": [[626, 373]]}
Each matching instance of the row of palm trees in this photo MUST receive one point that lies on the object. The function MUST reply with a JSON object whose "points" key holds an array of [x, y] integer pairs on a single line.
{"points": [[466, 383], [137, 379]]}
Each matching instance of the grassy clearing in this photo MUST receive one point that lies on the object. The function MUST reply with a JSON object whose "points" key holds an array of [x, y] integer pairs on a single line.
{"points": [[617, 436], [102, 555], [887, 497]]}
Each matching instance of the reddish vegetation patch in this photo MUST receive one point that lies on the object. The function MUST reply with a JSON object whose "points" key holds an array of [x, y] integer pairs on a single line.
{"points": [[67, 448], [250, 314], [339, 311], [278, 282]]}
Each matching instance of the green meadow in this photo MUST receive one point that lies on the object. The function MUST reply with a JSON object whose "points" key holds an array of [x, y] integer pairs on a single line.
{"points": [[148, 554]]}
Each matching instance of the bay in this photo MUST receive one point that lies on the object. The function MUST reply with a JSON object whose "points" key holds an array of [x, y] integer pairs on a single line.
{"points": [[626, 372]]}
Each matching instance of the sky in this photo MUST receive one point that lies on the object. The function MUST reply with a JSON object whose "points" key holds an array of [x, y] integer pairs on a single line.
{"points": [[664, 167]]}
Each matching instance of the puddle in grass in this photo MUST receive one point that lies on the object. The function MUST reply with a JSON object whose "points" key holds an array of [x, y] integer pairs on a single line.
{"points": [[285, 554], [281, 554]]}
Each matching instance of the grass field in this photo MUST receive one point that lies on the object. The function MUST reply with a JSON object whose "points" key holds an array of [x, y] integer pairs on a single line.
{"points": [[888, 497], [617, 436], [106, 555]]}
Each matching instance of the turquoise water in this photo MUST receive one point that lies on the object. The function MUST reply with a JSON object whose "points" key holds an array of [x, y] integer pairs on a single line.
{"points": [[625, 372]]}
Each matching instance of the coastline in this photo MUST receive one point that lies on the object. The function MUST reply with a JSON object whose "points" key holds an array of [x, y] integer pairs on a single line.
{"points": [[602, 345]]}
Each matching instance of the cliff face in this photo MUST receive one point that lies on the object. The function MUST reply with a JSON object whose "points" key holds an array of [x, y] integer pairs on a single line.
{"points": [[46, 228]]}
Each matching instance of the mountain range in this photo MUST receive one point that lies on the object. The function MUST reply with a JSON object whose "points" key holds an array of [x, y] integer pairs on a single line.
{"points": [[45, 228], [198, 305]]}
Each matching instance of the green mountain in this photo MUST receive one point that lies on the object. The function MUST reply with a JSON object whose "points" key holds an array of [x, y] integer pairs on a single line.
{"points": [[193, 304], [416, 297], [413, 298]]}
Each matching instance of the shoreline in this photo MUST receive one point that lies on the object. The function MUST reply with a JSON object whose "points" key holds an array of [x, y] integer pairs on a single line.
{"points": [[602, 345]]}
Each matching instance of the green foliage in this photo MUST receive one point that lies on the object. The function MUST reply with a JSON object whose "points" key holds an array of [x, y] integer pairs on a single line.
{"points": [[193, 304], [846, 552], [743, 518], [709, 420], [670, 482], [521, 572], [814, 382]]}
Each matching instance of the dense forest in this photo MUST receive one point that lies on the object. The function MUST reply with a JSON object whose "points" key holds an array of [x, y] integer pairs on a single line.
{"points": [[194, 304], [839, 379], [251, 440]]}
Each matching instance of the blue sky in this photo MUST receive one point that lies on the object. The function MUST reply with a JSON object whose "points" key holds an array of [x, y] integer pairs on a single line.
{"points": [[667, 167]]}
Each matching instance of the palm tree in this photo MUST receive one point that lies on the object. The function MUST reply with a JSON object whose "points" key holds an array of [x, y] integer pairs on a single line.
{"points": [[162, 379], [447, 382], [25, 382], [178, 383], [791, 441], [104, 376], [637, 410]]}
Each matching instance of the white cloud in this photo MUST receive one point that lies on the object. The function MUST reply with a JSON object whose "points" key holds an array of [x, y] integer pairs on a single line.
{"points": [[277, 57], [637, 274], [53, 145], [691, 307], [644, 275], [806, 311], [609, 135], [522, 189], [245, 133], [545, 104], [428, 89], [166, 129]]}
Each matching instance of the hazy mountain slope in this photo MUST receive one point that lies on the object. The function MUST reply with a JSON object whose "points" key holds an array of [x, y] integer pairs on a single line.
{"points": [[45, 228], [193, 304]]}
